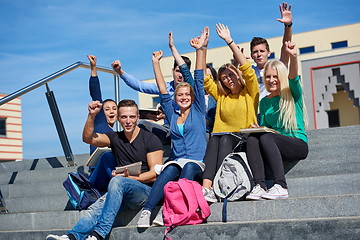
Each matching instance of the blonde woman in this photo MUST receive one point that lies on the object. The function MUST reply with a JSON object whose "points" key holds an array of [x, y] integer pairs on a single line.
{"points": [[187, 128], [236, 92], [284, 111]]}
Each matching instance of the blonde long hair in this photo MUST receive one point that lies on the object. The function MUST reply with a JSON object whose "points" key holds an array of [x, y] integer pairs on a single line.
{"points": [[287, 103]]}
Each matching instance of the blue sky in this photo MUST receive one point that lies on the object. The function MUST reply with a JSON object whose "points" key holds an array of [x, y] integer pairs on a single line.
{"points": [[38, 38]]}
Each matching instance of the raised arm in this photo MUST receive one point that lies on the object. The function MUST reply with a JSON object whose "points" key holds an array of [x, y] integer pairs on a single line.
{"points": [[200, 44], [94, 83], [174, 51], [291, 50], [224, 33], [134, 83], [286, 19], [92, 60], [157, 72], [89, 136]]}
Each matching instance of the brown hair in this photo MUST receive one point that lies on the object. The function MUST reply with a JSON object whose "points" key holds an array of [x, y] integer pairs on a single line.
{"points": [[257, 41], [221, 87], [128, 103]]}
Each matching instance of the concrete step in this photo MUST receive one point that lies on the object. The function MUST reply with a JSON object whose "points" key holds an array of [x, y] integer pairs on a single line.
{"points": [[325, 166], [32, 189], [41, 163], [38, 196], [41, 175], [305, 186], [334, 134], [240, 211], [319, 229], [59, 202]]}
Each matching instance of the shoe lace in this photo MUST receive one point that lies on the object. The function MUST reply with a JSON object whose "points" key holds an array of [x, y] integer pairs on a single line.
{"points": [[144, 214]]}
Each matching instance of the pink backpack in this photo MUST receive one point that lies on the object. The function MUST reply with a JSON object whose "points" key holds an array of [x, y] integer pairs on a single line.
{"points": [[184, 204]]}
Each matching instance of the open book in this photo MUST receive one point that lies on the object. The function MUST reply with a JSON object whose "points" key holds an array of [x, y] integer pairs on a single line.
{"points": [[145, 111], [258, 130], [134, 169], [180, 162], [94, 158]]}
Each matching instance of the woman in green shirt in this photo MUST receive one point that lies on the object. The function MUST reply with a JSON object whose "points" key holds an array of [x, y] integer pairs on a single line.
{"points": [[284, 111]]}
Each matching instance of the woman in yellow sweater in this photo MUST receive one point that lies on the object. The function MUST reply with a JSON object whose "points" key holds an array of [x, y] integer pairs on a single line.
{"points": [[237, 95]]}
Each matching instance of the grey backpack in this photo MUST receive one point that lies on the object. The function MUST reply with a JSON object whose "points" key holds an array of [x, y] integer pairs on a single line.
{"points": [[233, 180]]}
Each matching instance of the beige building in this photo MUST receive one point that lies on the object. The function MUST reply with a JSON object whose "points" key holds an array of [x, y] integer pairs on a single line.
{"points": [[329, 65], [11, 130]]}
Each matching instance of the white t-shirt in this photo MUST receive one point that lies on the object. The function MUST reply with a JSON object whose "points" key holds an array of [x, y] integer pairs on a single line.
{"points": [[260, 76]]}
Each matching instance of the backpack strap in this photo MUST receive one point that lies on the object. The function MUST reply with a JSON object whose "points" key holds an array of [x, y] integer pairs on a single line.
{"points": [[224, 210], [204, 206]]}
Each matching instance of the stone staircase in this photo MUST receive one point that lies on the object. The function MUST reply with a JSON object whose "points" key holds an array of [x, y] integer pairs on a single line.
{"points": [[324, 199]]}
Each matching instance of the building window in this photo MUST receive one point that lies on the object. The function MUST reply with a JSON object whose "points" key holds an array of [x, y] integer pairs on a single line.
{"points": [[272, 55], [2, 126], [339, 44], [307, 49], [334, 119]]}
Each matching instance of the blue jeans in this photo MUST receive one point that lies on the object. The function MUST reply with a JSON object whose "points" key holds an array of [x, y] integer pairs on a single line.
{"points": [[122, 192], [190, 171], [101, 175]]}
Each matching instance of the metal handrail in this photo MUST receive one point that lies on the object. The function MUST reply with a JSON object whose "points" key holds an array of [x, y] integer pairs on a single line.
{"points": [[53, 76]]}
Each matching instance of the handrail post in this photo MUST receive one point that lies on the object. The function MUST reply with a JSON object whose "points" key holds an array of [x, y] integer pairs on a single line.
{"points": [[117, 96], [59, 126]]}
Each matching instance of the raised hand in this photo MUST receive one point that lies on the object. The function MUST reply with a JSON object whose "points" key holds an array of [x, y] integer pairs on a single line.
{"points": [[286, 15], [94, 107], [290, 48], [92, 60], [116, 65], [171, 40], [206, 33], [196, 42], [156, 56], [223, 32]]}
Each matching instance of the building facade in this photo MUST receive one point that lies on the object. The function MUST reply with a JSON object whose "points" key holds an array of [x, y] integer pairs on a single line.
{"points": [[329, 61], [11, 130]]}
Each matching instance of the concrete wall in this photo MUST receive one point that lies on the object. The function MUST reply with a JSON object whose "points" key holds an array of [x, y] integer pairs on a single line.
{"points": [[348, 113], [319, 84]]}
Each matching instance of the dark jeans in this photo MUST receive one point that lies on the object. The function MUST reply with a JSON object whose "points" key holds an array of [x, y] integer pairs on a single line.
{"points": [[218, 147], [273, 149], [190, 171], [101, 175]]}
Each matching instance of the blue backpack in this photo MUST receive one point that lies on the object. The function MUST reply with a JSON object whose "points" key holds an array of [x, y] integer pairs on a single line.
{"points": [[79, 190]]}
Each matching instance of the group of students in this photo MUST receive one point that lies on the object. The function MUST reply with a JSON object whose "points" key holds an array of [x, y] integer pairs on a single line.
{"points": [[236, 89]]}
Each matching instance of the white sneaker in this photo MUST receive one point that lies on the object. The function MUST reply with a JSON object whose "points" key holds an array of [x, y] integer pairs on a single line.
{"points": [[90, 237], [276, 192], [56, 237], [159, 221], [144, 220], [256, 193], [209, 195]]}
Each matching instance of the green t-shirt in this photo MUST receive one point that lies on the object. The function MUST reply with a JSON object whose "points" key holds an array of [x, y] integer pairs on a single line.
{"points": [[270, 112]]}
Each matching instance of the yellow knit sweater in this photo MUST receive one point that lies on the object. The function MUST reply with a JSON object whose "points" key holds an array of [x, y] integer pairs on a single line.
{"points": [[234, 112]]}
